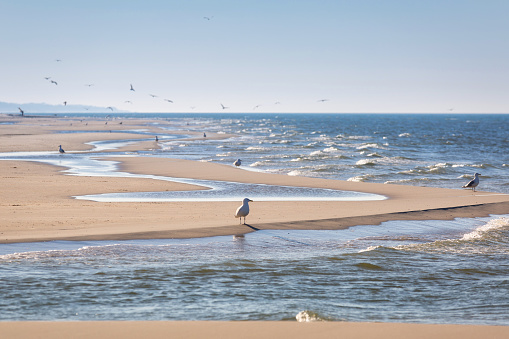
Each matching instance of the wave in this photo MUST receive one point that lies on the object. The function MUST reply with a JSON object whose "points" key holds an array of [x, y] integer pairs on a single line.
{"points": [[360, 178], [488, 239], [365, 162], [310, 316], [484, 231]]}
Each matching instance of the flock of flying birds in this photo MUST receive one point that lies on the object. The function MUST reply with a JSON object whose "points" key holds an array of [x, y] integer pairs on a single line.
{"points": [[131, 88]]}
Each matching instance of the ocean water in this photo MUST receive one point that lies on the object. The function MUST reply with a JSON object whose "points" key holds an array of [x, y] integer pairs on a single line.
{"points": [[401, 271]]}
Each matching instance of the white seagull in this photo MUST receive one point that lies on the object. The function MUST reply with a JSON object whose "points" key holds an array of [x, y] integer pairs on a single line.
{"points": [[60, 149], [237, 162], [473, 183], [243, 210]]}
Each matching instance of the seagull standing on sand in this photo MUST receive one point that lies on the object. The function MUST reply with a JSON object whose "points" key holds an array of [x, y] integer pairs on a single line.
{"points": [[473, 183], [60, 149], [243, 210], [237, 162]]}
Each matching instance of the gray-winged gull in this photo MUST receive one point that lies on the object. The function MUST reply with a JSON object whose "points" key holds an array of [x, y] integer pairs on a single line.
{"points": [[237, 162], [473, 183], [243, 210], [60, 149]]}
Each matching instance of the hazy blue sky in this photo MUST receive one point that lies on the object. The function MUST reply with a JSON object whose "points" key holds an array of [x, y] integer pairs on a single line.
{"points": [[363, 56]]}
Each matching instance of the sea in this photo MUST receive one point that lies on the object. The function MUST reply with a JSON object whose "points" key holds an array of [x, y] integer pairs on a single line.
{"points": [[444, 272]]}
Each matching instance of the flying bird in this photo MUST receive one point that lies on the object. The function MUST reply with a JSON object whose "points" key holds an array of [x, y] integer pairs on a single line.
{"points": [[109, 107], [89, 85], [128, 102], [243, 210], [132, 88], [224, 107], [153, 95], [170, 101], [207, 17], [58, 60], [60, 149], [54, 82], [473, 183], [322, 100], [47, 78]]}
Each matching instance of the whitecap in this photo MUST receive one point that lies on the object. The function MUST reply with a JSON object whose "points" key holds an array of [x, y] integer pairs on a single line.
{"points": [[257, 163], [307, 316], [404, 135], [365, 162], [295, 173], [491, 225], [331, 150], [359, 178], [316, 153]]}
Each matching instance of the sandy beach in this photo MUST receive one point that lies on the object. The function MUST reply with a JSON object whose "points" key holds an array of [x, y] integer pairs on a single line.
{"points": [[37, 205]]}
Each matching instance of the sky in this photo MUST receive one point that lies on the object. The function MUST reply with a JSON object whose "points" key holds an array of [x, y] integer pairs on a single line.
{"points": [[352, 56]]}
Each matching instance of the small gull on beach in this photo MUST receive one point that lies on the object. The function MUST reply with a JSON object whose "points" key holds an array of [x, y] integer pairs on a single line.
{"points": [[60, 149], [243, 210], [473, 183], [237, 162]]}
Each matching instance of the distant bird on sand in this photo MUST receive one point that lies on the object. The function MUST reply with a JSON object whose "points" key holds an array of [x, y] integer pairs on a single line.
{"points": [[21, 111], [132, 88], [60, 149], [473, 183], [157, 139], [237, 162], [243, 210]]}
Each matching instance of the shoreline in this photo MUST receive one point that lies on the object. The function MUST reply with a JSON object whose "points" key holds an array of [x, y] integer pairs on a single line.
{"points": [[37, 205]]}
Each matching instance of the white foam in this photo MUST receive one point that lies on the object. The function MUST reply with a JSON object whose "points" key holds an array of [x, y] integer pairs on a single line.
{"points": [[491, 225]]}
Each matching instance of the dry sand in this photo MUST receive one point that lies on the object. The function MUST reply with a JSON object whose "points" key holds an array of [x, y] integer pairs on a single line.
{"points": [[244, 330], [37, 205]]}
